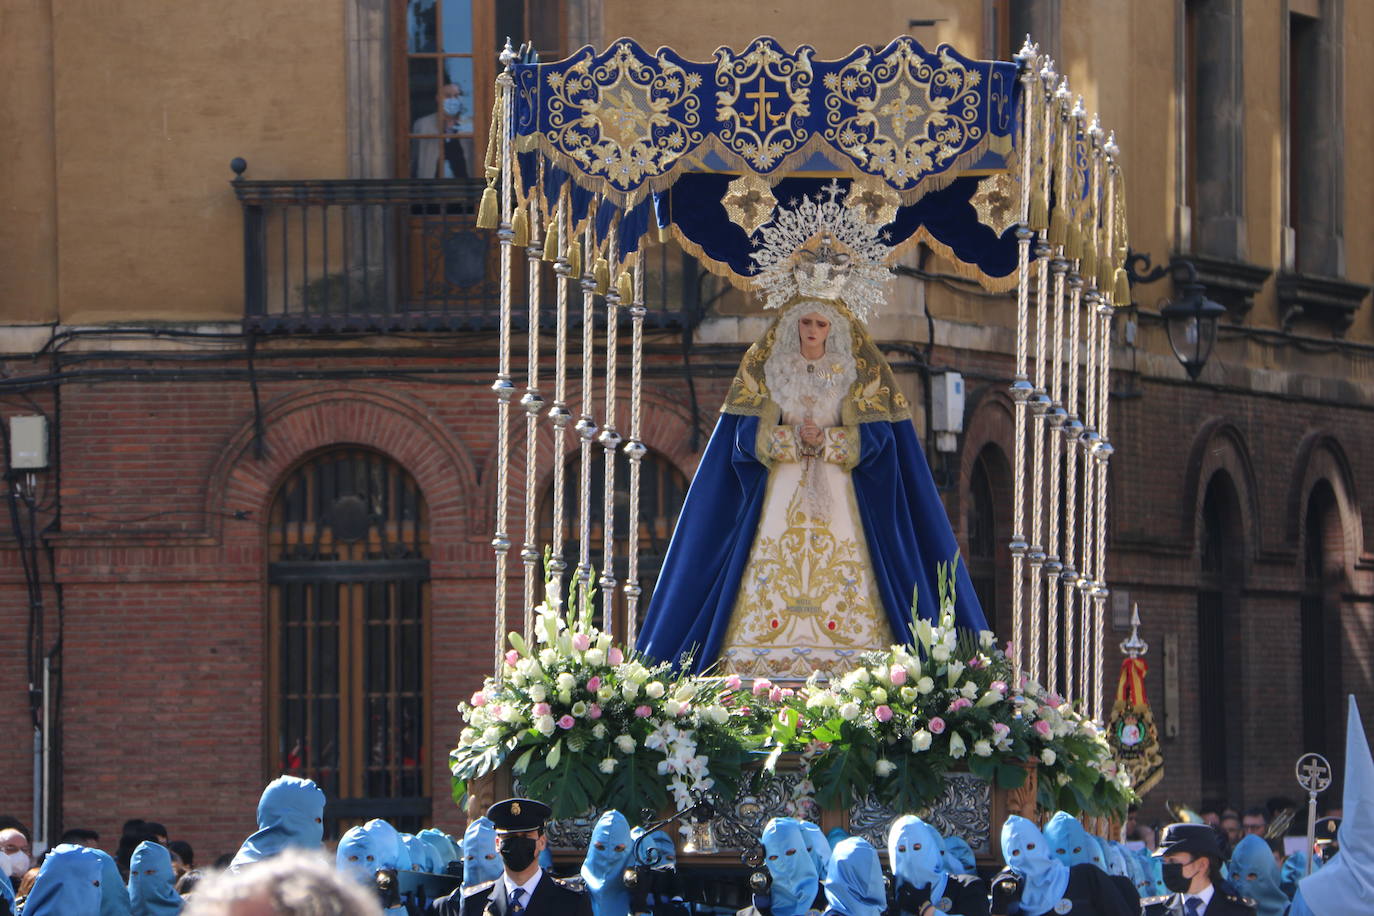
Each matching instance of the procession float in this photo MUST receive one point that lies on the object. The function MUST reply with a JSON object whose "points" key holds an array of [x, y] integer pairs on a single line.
{"points": [[813, 646]]}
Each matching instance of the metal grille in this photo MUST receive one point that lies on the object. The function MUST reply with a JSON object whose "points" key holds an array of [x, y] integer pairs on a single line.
{"points": [[349, 596]]}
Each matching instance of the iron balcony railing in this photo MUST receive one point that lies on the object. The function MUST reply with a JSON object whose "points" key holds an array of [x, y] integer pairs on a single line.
{"points": [[375, 255]]}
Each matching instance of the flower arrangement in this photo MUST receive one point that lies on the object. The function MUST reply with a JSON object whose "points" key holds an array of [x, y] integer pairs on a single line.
{"points": [[587, 725]]}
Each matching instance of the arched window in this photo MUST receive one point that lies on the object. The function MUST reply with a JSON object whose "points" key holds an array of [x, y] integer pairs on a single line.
{"points": [[348, 600], [662, 488], [988, 528], [1320, 609], [1222, 556]]}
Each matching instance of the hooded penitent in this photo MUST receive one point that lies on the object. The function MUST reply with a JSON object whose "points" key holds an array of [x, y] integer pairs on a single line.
{"points": [[421, 854], [603, 871], [1028, 853], [1253, 873], [1069, 840], [817, 846], [1345, 885], [959, 858], [481, 861], [114, 896], [386, 840], [915, 851], [445, 850], [795, 880], [152, 890], [290, 815], [854, 882], [68, 883], [1116, 859], [357, 856]]}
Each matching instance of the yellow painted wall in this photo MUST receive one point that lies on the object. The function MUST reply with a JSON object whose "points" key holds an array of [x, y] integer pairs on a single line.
{"points": [[149, 101]]}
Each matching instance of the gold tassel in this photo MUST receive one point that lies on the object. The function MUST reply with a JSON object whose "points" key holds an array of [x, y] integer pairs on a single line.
{"points": [[626, 287], [1058, 226], [575, 259], [551, 242], [1087, 264], [486, 210], [1073, 241], [1106, 277], [601, 271], [1039, 212], [520, 227], [1122, 296]]}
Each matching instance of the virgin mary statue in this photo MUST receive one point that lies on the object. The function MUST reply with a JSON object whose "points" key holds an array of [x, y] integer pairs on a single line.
{"points": [[812, 529]]}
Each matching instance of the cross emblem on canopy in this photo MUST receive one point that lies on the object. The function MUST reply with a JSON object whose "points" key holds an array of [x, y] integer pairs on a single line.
{"points": [[761, 113]]}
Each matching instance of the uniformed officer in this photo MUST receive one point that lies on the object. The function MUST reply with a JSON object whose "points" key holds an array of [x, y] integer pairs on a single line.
{"points": [[524, 888], [1191, 863], [1326, 838]]}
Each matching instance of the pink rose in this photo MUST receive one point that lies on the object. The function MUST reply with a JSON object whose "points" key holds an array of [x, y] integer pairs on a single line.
{"points": [[1042, 728], [581, 642], [496, 711], [788, 692], [975, 663], [936, 726], [897, 676], [593, 684], [775, 694], [1007, 650], [761, 686], [733, 682], [479, 699], [615, 656], [1000, 730], [684, 709], [512, 657], [1054, 700], [643, 712], [883, 713], [594, 711], [566, 722], [542, 709], [999, 686], [960, 703]]}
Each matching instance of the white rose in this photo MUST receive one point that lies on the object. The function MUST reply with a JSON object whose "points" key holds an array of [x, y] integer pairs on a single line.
{"points": [[909, 695], [545, 725], [969, 690], [599, 731], [1048, 756], [717, 714], [672, 707], [608, 765], [510, 714], [940, 653], [468, 736], [548, 657], [982, 748], [566, 681], [849, 711], [884, 768], [986, 639], [538, 693], [925, 685], [518, 679], [605, 692], [629, 691], [596, 657], [879, 695], [625, 743], [654, 690], [861, 676], [921, 741]]}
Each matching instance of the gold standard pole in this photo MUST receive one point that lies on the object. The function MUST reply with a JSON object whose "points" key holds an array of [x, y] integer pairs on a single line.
{"points": [[500, 541]]}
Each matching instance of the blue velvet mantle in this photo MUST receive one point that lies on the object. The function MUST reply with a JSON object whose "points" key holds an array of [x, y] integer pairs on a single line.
{"points": [[905, 524]]}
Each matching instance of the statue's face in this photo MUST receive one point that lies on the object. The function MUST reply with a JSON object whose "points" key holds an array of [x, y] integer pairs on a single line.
{"points": [[814, 328]]}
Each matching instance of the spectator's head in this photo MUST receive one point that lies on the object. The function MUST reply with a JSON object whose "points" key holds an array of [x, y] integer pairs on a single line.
{"points": [[183, 857], [14, 852], [451, 100], [80, 836], [293, 883], [188, 882], [1210, 812], [1254, 821], [154, 831], [26, 882], [1230, 825]]}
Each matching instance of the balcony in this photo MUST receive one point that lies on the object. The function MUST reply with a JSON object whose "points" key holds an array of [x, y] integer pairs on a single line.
{"points": [[379, 255]]}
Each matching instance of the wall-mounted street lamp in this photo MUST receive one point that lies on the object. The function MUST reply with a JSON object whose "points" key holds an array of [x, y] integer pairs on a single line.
{"points": [[1190, 318]]}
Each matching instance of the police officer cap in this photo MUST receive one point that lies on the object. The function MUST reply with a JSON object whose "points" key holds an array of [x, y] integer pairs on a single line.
{"points": [[1195, 839], [1327, 829], [516, 815]]}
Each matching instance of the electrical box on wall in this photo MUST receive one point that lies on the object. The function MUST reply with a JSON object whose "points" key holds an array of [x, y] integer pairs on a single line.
{"points": [[28, 443], [947, 409]]}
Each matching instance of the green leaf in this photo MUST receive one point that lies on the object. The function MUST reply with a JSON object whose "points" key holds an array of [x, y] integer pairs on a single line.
{"points": [[522, 762], [458, 789], [1010, 776]]}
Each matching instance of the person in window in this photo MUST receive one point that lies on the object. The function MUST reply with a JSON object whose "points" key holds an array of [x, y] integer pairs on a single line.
{"points": [[1191, 861], [425, 161]]}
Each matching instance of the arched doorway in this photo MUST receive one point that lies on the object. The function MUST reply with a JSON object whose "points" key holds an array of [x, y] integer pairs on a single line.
{"points": [[1320, 615], [348, 629], [1219, 596]]}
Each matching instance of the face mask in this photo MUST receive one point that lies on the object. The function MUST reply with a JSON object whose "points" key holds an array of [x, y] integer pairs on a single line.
{"points": [[1173, 877], [517, 852], [18, 863], [453, 107]]}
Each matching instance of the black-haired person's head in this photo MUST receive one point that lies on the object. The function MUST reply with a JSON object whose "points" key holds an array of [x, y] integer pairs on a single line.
{"points": [[80, 836], [183, 857], [154, 831]]}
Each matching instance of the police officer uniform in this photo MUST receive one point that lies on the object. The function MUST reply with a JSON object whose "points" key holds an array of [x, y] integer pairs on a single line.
{"points": [[1219, 899], [541, 895], [1325, 835]]}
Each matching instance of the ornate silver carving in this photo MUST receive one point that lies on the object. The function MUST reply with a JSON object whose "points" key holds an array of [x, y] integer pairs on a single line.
{"points": [[965, 810]]}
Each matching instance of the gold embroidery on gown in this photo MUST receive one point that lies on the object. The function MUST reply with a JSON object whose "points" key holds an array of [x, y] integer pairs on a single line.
{"points": [[807, 599]]}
